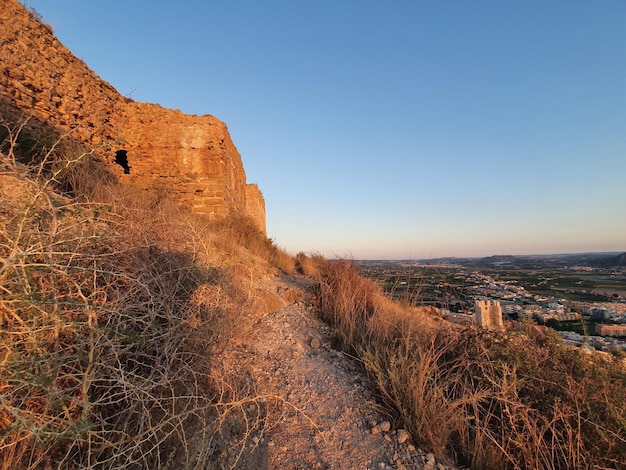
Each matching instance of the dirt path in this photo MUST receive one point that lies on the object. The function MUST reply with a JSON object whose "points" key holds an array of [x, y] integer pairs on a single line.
{"points": [[317, 412]]}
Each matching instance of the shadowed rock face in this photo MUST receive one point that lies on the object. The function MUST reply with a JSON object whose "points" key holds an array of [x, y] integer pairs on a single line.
{"points": [[190, 157]]}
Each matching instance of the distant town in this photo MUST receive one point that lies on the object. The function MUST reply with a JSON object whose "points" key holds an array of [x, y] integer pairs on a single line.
{"points": [[582, 296]]}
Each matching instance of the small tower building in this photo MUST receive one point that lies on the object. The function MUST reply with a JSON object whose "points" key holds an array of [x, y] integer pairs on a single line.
{"points": [[488, 314]]}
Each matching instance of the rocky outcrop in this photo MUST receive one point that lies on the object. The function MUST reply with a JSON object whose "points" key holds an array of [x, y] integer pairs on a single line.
{"points": [[192, 158]]}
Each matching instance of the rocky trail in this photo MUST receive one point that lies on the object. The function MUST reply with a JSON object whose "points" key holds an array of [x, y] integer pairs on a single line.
{"points": [[315, 410]]}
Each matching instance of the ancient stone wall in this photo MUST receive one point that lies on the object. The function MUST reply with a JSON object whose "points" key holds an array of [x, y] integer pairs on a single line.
{"points": [[255, 205], [43, 79], [192, 158]]}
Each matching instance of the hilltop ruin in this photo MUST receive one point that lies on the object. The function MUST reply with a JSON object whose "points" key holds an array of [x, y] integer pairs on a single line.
{"points": [[191, 158]]}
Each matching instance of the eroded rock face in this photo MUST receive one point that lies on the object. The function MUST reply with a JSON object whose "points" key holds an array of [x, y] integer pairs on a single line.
{"points": [[190, 157]]}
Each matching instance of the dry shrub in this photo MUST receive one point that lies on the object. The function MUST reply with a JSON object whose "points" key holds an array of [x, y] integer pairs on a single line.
{"points": [[236, 231], [282, 260], [347, 301], [40, 19], [103, 351], [519, 399], [307, 265], [111, 316]]}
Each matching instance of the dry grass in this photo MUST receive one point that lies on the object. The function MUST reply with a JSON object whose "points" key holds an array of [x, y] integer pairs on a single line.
{"points": [[113, 306], [237, 231], [519, 399], [307, 265]]}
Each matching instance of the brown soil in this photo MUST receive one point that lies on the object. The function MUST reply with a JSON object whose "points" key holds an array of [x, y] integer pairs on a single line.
{"points": [[314, 408]]}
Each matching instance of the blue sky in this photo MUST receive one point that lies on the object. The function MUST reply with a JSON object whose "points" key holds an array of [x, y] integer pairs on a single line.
{"points": [[395, 129]]}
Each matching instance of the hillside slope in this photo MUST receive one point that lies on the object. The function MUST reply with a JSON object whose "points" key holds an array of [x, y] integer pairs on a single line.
{"points": [[112, 312], [137, 336], [315, 409]]}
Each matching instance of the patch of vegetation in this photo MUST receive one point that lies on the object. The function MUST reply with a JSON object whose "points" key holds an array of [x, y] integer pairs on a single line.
{"points": [[515, 399], [114, 305], [236, 231]]}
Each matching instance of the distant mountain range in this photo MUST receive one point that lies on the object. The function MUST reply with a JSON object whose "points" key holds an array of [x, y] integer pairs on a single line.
{"points": [[612, 260], [618, 261]]}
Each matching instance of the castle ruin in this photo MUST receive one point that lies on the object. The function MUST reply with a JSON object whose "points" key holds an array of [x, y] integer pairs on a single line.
{"points": [[191, 158]]}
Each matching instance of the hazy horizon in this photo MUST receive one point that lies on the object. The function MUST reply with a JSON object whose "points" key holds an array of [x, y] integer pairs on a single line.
{"points": [[596, 253], [393, 130]]}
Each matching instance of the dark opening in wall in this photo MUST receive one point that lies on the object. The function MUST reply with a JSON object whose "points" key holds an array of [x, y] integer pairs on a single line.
{"points": [[121, 158]]}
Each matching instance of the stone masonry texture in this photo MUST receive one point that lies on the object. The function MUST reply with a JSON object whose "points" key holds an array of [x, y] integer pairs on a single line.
{"points": [[191, 158]]}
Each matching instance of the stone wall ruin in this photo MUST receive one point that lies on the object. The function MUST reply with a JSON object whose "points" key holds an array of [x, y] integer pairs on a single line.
{"points": [[190, 157]]}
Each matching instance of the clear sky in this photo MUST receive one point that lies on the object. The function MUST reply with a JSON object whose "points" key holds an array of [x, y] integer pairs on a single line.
{"points": [[396, 128]]}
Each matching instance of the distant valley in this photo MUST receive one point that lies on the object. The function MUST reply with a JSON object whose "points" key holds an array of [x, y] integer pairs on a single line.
{"points": [[607, 260]]}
